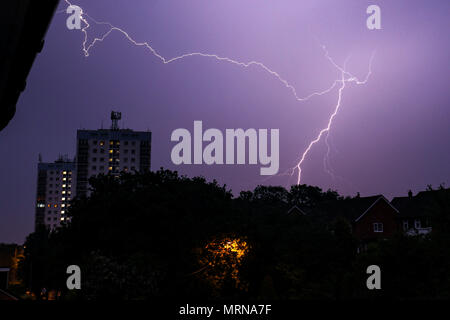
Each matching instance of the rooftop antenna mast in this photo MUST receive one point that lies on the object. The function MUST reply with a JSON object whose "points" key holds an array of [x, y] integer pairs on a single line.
{"points": [[115, 117]]}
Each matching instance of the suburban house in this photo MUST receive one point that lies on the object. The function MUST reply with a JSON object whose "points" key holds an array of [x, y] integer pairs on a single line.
{"points": [[372, 217], [416, 212]]}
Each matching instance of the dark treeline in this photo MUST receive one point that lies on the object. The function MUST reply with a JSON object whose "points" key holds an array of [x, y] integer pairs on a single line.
{"points": [[158, 234]]}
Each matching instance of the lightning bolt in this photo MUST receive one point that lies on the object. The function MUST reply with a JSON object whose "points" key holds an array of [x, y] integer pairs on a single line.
{"points": [[346, 77]]}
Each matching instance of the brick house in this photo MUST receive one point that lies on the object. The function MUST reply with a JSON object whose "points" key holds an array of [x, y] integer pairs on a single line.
{"points": [[370, 218], [377, 219]]}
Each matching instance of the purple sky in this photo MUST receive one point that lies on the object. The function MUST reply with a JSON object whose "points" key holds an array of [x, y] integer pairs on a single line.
{"points": [[390, 135]]}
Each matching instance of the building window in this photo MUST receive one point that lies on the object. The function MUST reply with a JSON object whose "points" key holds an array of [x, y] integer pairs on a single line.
{"points": [[102, 150], [102, 143], [94, 150], [133, 151], [405, 225], [94, 167], [377, 227], [417, 224]]}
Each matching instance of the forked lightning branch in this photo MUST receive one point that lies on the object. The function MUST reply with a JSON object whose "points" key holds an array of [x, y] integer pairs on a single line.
{"points": [[78, 19]]}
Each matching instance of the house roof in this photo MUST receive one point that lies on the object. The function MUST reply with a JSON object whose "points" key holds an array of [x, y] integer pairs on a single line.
{"points": [[419, 205], [378, 198], [295, 208], [355, 208]]}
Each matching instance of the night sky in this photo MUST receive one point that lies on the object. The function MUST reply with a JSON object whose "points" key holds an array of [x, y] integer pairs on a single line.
{"points": [[391, 134]]}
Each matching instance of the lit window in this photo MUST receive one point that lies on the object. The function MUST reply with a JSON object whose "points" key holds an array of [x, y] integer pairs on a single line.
{"points": [[109, 168], [63, 199], [56, 206], [63, 205], [63, 192], [110, 151], [102, 143], [64, 172], [64, 179], [62, 211], [63, 185], [49, 205], [377, 227]]}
